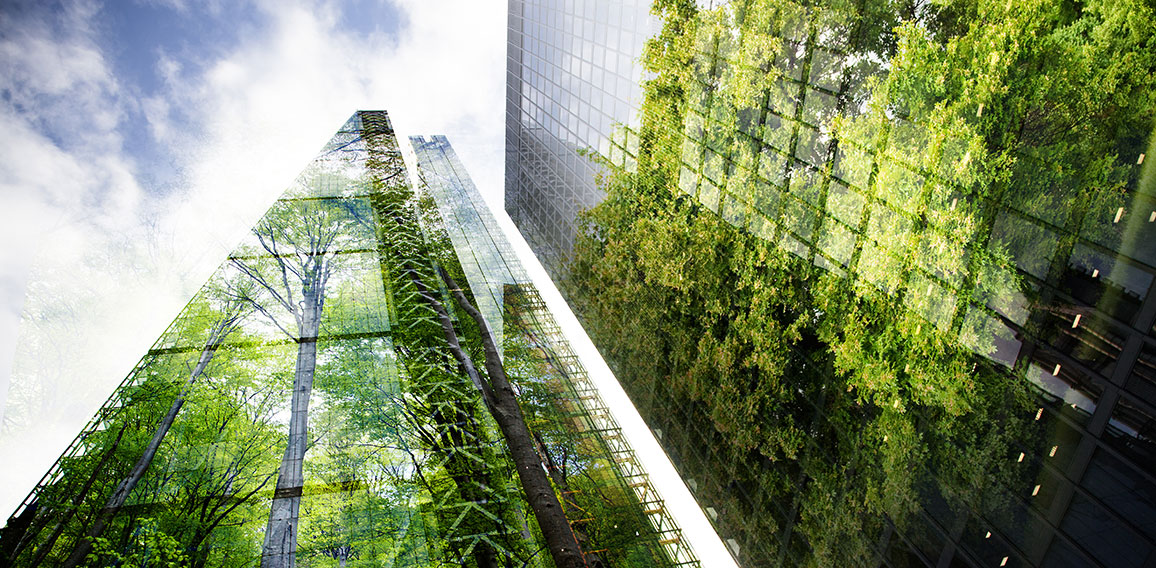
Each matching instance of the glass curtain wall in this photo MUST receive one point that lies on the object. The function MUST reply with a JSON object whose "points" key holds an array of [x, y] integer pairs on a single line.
{"points": [[881, 278], [572, 74], [597, 469]]}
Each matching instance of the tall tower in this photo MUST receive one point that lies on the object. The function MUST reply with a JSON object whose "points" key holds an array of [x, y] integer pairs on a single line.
{"points": [[312, 405]]}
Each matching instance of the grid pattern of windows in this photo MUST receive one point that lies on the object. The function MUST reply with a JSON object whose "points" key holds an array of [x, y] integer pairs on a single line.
{"points": [[870, 201], [391, 457], [572, 75], [486, 256]]}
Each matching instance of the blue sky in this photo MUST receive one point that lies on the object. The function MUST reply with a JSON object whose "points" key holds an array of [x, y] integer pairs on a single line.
{"points": [[139, 139]]}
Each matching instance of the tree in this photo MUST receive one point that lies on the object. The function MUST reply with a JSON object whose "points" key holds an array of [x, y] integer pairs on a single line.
{"points": [[409, 255], [499, 397], [181, 444], [224, 461], [228, 321], [300, 241], [77, 498]]}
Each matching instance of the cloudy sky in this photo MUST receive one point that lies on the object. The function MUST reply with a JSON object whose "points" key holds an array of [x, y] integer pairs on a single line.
{"points": [[139, 139]]}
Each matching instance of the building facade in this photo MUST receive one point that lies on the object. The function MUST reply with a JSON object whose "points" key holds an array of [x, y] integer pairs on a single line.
{"points": [[573, 76], [883, 288], [306, 407]]}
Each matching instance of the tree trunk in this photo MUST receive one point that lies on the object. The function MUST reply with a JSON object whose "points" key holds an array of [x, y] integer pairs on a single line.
{"points": [[125, 487], [540, 495], [280, 548], [503, 405], [558, 476]]}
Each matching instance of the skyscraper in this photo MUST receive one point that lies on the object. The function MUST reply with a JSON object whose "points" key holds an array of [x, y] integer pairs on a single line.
{"points": [[314, 402], [883, 285]]}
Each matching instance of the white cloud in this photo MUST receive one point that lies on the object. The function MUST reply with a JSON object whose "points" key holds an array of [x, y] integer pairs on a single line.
{"points": [[61, 171]]}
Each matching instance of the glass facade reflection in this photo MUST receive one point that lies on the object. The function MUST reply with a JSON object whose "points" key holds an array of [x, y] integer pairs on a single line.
{"points": [[887, 203], [1001, 227], [572, 75], [305, 407], [574, 410]]}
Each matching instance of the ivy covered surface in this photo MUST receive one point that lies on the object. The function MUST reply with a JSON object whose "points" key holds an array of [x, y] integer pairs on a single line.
{"points": [[817, 273]]}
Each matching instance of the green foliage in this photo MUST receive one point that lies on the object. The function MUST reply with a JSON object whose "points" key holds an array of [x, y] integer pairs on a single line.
{"points": [[603, 509], [836, 271], [206, 469], [149, 547]]}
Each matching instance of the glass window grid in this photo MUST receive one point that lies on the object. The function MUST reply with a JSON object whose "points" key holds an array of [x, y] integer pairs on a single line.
{"points": [[711, 199]]}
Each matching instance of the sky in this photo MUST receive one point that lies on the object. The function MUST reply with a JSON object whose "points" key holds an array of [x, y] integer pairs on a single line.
{"points": [[140, 139]]}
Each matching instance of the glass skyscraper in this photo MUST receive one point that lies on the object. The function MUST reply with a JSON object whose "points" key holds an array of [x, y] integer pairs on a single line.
{"points": [[883, 284], [308, 407], [572, 77]]}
